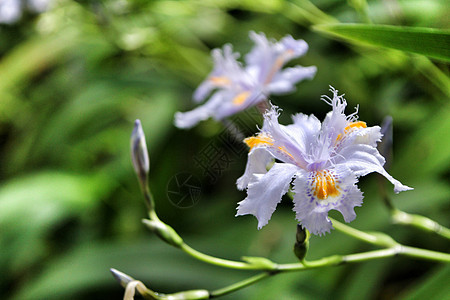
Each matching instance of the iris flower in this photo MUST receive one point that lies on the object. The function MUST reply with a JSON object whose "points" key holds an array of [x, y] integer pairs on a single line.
{"points": [[11, 10], [323, 162], [237, 87]]}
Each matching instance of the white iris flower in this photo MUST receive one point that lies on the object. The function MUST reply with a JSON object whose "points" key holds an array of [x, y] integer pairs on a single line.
{"points": [[323, 161]]}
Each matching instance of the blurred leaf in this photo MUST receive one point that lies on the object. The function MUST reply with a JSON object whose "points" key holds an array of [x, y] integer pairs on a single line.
{"points": [[31, 206], [368, 275], [426, 152], [434, 287], [33, 56], [434, 43], [155, 263]]}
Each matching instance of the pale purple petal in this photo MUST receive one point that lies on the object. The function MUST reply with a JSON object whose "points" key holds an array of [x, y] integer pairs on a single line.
{"points": [[284, 81], [189, 119], [268, 57], [285, 147], [258, 159], [364, 159], [10, 11], [304, 131], [336, 120], [226, 69], [203, 90], [236, 101], [369, 136], [312, 212], [298, 47], [265, 193], [38, 6]]}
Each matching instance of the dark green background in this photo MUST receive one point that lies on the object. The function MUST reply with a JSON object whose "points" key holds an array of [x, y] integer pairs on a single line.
{"points": [[74, 79]]}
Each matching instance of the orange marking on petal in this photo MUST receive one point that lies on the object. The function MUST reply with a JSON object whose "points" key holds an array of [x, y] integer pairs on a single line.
{"points": [[359, 124], [278, 64], [258, 140], [324, 185], [220, 80], [284, 150], [241, 97], [350, 127]]}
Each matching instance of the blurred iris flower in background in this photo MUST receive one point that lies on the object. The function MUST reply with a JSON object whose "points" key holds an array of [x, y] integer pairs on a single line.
{"points": [[238, 87], [11, 10]]}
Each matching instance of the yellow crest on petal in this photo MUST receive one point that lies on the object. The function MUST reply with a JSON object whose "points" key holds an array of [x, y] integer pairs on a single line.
{"points": [[258, 140], [350, 127], [220, 80], [324, 185], [241, 97]]}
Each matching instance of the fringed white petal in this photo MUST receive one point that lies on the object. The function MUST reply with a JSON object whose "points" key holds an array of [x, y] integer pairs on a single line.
{"points": [[257, 162], [312, 210], [364, 159], [265, 193]]}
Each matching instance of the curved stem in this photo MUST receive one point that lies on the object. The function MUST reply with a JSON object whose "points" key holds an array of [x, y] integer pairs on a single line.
{"points": [[350, 231], [216, 261], [375, 238], [420, 222], [239, 285]]}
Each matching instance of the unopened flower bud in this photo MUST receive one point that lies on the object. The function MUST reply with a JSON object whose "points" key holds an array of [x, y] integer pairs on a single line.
{"points": [[139, 154], [122, 278], [302, 242]]}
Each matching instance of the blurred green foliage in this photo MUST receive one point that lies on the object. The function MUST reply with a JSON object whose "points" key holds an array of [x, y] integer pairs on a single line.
{"points": [[73, 80]]}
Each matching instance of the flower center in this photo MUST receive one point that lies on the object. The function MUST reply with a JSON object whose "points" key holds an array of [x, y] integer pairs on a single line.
{"points": [[324, 185], [241, 97], [350, 127]]}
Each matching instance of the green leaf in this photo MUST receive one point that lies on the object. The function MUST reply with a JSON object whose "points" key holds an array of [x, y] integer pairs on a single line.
{"points": [[431, 42], [434, 287], [32, 205]]}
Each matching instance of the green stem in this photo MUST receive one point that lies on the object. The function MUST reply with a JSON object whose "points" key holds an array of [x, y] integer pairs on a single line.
{"points": [[239, 285], [330, 261], [150, 203], [419, 222], [366, 256], [350, 231], [375, 238], [216, 261], [424, 254]]}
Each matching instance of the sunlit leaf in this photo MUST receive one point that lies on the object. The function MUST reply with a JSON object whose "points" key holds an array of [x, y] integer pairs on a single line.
{"points": [[431, 42]]}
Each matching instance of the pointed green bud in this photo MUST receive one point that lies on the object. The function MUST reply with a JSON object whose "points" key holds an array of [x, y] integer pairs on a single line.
{"points": [[139, 154], [164, 231], [301, 242], [122, 278], [131, 286]]}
